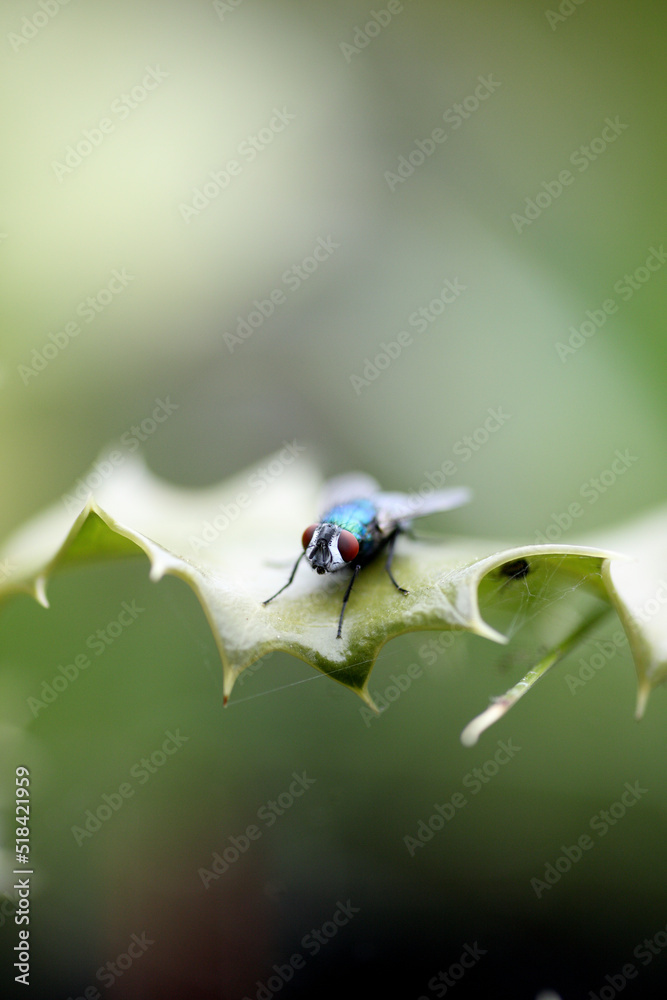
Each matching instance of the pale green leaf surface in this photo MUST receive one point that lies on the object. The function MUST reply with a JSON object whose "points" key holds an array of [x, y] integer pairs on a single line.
{"points": [[637, 588], [234, 566]]}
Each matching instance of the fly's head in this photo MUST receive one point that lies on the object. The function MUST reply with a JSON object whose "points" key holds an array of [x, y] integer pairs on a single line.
{"points": [[328, 547]]}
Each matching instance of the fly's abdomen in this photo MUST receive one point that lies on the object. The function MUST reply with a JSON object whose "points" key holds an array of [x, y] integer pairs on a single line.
{"points": [[358, 517]]}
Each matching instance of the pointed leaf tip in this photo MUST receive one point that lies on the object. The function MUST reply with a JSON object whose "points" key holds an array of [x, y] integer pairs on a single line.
{"points": [[481, 722]]}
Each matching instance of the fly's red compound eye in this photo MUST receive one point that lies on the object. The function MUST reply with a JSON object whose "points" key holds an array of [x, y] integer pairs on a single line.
{"points": [[348, 546], [307, 536]]}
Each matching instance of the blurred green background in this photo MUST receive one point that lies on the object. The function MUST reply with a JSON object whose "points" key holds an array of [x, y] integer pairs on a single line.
{"points": [[411, 143]]}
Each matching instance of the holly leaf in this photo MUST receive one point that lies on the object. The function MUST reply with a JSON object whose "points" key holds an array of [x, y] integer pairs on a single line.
{"points": [[235, 545]]}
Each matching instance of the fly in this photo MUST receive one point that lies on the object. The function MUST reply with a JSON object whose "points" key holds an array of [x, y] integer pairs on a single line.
{"points": [[359, 521]]}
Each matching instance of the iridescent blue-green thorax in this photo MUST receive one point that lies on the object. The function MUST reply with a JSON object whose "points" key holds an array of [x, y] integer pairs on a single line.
{"points": [[361, 522], [359, 517]]}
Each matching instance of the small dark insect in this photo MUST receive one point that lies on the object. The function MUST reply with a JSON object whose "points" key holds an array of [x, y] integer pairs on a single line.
{"points": [[359, 521], [516, 569]]}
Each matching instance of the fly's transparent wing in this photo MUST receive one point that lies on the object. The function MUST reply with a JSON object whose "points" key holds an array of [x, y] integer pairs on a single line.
{"points": [[351, 486], [401, 508]]}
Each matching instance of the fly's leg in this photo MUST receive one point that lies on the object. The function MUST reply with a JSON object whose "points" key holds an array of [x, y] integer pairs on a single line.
{"points": [[292, 575], [347, 594], [390, 556]]}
